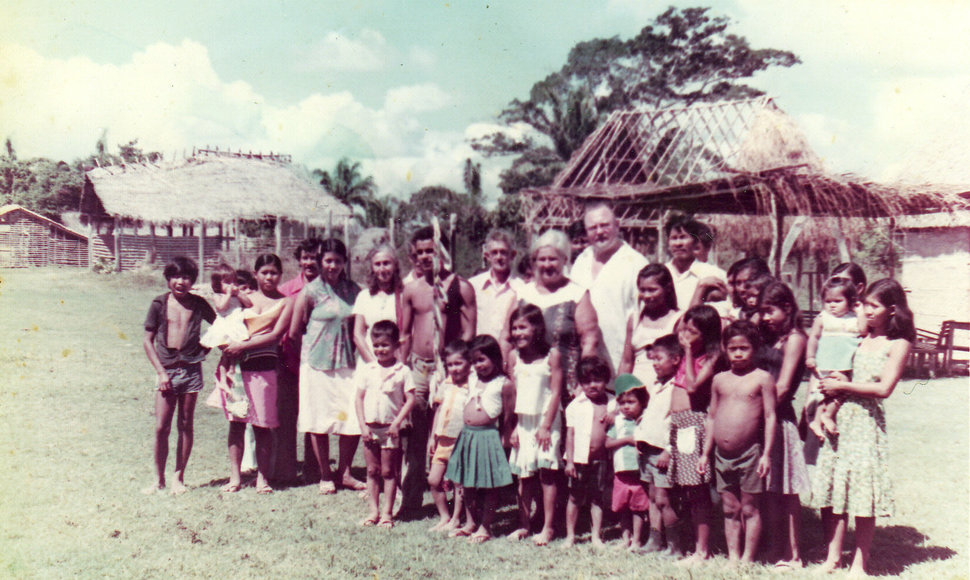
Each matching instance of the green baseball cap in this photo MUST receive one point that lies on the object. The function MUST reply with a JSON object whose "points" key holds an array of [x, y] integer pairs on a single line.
{"points": [[625, 382]]}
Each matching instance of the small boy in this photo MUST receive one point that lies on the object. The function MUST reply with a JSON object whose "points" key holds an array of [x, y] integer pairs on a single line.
{"points": [[629, 496], [587, 465], [740, 418], [385, 396], [653, 442], [445, 428], [173, 328]]}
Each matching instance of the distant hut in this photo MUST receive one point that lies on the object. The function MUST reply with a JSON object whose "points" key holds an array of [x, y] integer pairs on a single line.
{"points": [[730, 157], [199, 207], [30, 239]]}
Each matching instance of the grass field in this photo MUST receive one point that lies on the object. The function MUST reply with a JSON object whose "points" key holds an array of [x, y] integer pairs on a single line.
{"points": [[75, 440]]}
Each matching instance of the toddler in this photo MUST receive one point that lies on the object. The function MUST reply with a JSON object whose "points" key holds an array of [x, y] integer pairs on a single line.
{"points": [[629, 496]]}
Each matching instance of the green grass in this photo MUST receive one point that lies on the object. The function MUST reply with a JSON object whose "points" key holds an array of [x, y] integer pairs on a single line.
{"points": [[76, 432]]}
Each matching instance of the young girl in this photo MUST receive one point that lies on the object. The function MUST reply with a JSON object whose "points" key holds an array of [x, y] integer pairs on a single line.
{"points": [[385, 396], [784, 357], [700, 336], [831, 343], [658, 317], [478, 464], [445, 428], [852, 476], [538, 424]]}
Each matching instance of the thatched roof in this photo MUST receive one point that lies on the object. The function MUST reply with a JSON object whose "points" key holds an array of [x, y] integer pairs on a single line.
{"points": [[7, 211], [216, 189], [741, 157]]}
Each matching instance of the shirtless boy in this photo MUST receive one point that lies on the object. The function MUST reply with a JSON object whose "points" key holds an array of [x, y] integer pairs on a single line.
{"points": [[172, 331], [741, 420], [420, 352]]}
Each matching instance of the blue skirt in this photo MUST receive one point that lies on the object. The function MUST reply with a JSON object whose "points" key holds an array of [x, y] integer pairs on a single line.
{"points": [[478, 460]]}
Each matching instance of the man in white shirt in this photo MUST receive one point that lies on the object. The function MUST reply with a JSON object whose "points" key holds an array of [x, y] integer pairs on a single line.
{"points": [[683, 236], [608, 268], [495, 288]]}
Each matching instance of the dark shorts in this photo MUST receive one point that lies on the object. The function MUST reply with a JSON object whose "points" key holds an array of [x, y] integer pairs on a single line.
{"points": [[741, 472], [650, 472], [593, 482], [185, 379]]}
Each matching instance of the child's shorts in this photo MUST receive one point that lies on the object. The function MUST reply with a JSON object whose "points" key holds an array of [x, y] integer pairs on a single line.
{"points": [[628, 493], [739, 472], [650, 472], [380, 436], [593, 482], [442, 452], [185, 379]]}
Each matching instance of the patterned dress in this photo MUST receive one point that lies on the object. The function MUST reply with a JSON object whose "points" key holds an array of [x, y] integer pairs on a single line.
{"points": [[852, 475], [559, 313]]}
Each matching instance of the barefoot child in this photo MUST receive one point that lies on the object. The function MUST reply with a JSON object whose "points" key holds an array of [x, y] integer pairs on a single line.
{"points": [[172, 331], [653, 442], [535, 441], [699, 334], [385, 395], [784, 358], [478, 464], [588, 465], [741, 417], [831, 343], [629, 496], [447, 424]]}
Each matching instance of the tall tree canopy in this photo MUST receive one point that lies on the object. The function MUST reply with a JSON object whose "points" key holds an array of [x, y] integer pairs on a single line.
{"points": [[348, 185], [682, 57]]}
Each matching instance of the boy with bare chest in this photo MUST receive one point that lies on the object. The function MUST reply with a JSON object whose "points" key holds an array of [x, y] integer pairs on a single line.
{"points": [[741, 429], [172, 333]]}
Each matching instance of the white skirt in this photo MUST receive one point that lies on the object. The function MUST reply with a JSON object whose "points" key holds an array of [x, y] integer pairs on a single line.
{"points": [[327, 402]]}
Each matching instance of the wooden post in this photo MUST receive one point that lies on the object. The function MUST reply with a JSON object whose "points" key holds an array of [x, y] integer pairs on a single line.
{"points": [[201, 249], [151, 231], [777, 235], [238, 242], [306, 227], [92, 235], [116, 232], [347, 232], [278, 230], [892, 247], [661, 237]]}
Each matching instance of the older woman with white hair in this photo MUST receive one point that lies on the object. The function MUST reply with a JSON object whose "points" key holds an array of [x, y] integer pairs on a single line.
{"points": [[571, 324]]}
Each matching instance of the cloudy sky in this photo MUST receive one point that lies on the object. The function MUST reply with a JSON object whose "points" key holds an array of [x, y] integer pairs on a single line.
{"points": [[401, 85]]}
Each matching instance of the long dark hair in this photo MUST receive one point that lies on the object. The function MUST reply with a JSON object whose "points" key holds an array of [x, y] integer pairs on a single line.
{"points": [[490, 349], [780, 296], [335, 246], [890, 294], [265, 259], [708, 323], [533, 315], [662, 275]]}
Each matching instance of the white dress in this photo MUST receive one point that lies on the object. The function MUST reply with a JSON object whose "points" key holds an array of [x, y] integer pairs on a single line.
{"points": [[533, 396]]}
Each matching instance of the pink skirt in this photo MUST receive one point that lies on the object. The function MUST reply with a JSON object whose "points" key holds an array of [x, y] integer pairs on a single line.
{"points": [[261, 390]]}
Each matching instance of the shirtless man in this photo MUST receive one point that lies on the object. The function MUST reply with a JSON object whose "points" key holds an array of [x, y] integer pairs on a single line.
{"points": [[418, 348], [741, 419], [172, 332]]}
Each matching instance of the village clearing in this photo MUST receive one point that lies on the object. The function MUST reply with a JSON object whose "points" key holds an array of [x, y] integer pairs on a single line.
{"points": [[76, 427]]}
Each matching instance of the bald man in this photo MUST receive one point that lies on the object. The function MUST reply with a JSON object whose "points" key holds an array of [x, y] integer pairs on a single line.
{"points": [[608, 268]]}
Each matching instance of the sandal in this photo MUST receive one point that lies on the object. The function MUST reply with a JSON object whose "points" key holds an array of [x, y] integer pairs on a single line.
{"points": [[264, 489], [385, 523], [327, 488], [460, 533], [368, 521], [479, 538], [230, 488]]}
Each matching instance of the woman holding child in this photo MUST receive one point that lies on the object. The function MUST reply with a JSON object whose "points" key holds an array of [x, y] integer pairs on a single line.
{"points": [[852, 474], [323, 315], [256, 359]]}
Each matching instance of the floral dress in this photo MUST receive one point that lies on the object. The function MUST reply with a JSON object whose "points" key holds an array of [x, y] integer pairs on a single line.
{"points": [[852, 474]]}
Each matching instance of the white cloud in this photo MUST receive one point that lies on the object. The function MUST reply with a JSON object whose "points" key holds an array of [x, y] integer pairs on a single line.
{"points": [[422, 57], [170, 98], [337, 51]]}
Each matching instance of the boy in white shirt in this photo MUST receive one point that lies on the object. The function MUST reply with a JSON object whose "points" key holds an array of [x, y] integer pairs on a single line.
{"points": [[385, 396]]}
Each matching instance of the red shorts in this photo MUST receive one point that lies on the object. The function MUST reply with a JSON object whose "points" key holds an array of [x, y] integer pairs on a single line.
{"points": [[628, 493]]}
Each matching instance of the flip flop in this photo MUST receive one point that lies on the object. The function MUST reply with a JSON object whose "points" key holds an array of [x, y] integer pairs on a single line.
{"points": [[459, 533], [385, 523], [264, 490], [230, 488], [479, 538], [368, 521]]}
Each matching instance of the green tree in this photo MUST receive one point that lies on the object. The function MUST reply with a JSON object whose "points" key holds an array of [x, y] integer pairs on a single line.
{"points": [[472, 221], [132, 153], [348, 185], [682, 57]]}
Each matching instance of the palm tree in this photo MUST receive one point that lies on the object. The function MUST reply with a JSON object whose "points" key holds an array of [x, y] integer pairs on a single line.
{"points": [[349, 186]]}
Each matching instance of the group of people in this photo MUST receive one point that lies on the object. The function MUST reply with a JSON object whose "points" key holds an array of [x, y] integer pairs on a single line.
{"points": [[598, 381]]}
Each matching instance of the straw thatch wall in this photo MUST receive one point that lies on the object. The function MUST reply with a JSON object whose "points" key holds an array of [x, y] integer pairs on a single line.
{"points": [[30, 239]]}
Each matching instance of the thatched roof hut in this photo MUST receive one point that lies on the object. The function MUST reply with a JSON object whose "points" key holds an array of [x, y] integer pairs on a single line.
{"points": [[206, 195], [212, 188], [729, 157]]}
